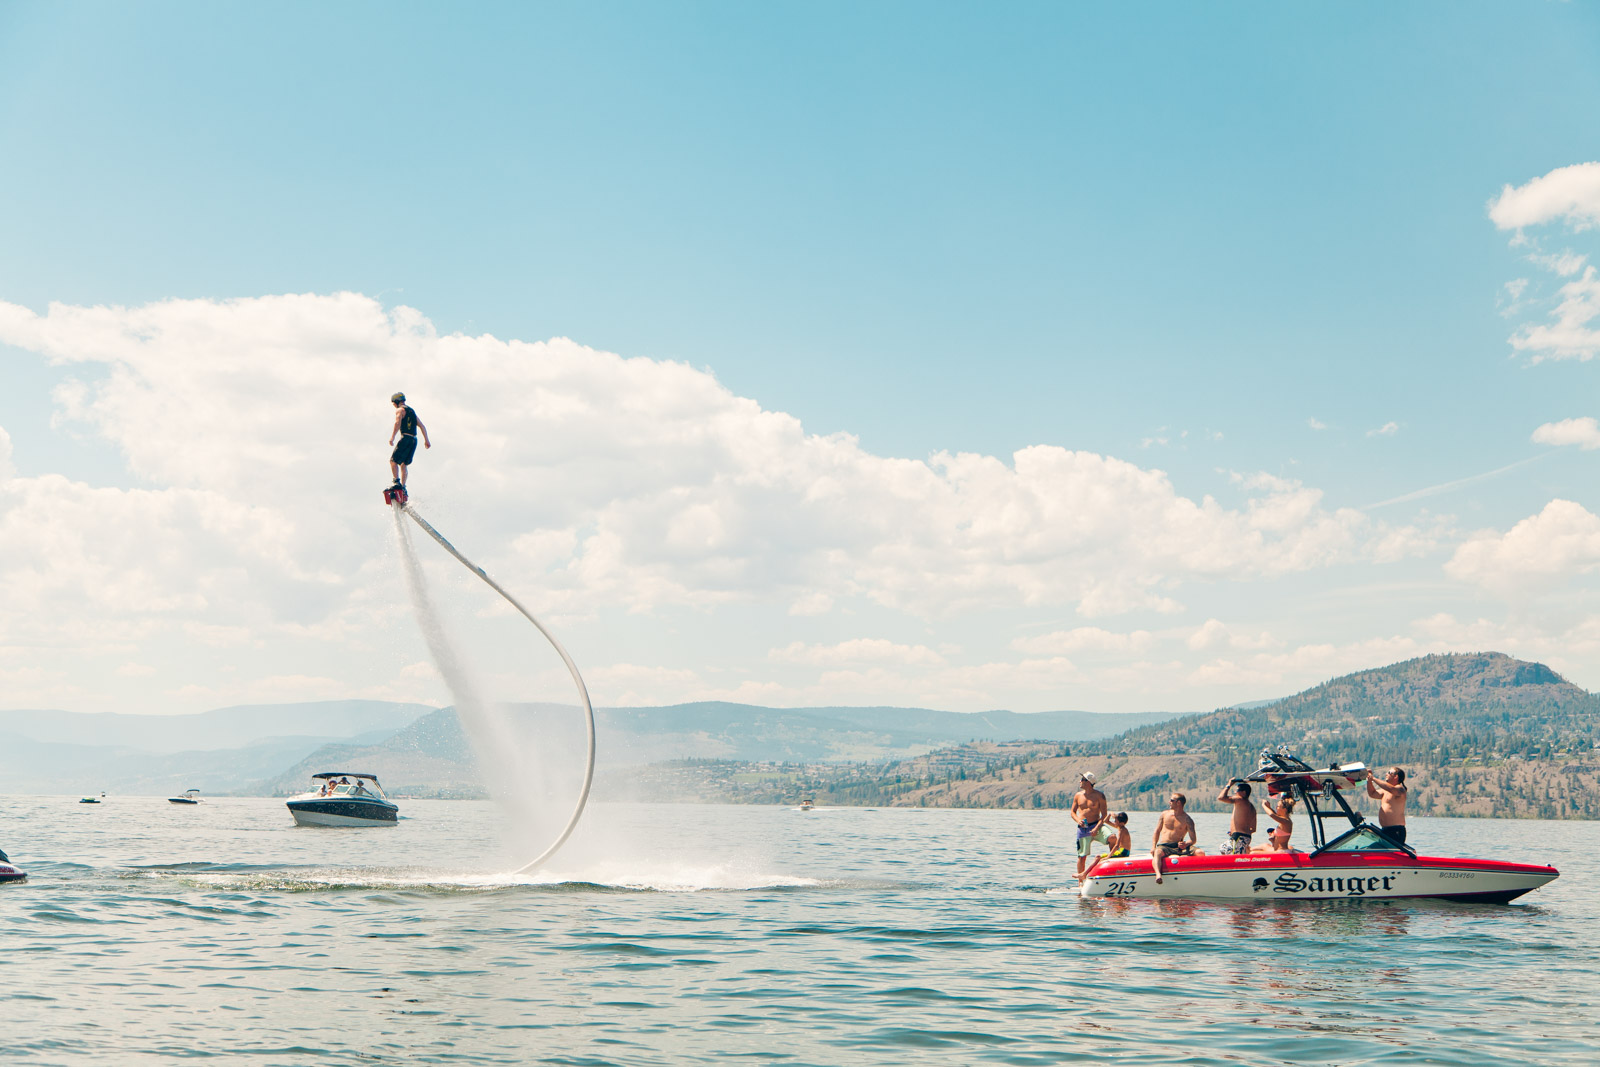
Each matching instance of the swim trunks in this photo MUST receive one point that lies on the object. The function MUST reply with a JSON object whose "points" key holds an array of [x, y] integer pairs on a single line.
{"points": [[1117, 854], [1088, 834], [1175, 850], [405, 449], [1395, 833], [1238, 844]]}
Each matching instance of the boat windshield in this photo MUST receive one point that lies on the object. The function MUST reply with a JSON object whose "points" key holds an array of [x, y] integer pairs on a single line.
{"points": [[1362, 839]]}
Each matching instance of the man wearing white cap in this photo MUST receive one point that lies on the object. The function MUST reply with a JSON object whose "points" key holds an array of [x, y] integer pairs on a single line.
{"points": [[1089, 812]]}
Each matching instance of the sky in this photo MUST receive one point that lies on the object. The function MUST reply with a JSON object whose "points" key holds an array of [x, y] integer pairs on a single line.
{"points": [[1120, 358]]}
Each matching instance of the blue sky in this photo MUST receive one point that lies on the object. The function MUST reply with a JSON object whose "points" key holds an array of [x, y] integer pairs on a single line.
{"points": [[1170, 234]]}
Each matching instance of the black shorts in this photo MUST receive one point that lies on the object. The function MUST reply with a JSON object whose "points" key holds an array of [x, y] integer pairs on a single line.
{"points": [[1397, 833], [405, 449]]}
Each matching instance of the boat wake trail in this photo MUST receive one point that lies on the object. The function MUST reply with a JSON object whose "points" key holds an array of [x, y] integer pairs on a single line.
{"points": [[492, 735]]}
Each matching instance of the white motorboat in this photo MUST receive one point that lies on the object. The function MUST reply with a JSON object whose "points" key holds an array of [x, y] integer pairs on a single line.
{"points": [[188, 796], [1360, 863], [8, 872], [344, 798]]}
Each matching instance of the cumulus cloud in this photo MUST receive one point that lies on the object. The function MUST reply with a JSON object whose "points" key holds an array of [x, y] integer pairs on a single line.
{"points": [[1214, 633], [633, 482], [1537, 554], [1569, 193], [1584, 432], [1388, 429], [1316, 423]]}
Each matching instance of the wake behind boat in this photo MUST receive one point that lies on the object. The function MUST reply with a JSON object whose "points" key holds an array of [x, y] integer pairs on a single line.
{"points": [[341, 801], [1362, 862]]}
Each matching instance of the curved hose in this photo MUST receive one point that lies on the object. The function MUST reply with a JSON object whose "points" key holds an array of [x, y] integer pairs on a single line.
{"points": [[583, 691]]}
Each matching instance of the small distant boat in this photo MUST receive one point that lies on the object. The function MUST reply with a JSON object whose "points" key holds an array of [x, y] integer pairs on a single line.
{"points": [[807, 804], [189, 796], [92, 800], [9, 873], [341, 802]]}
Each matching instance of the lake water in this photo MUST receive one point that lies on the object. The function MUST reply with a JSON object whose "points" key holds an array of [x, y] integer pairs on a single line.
{"points": [[676, 934]]}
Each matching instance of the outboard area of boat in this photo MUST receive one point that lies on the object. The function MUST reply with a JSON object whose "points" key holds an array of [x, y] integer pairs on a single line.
{"points": [[344, 798]]}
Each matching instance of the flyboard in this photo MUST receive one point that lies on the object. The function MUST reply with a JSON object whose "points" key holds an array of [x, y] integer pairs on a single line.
{"points": [[397, 498]]}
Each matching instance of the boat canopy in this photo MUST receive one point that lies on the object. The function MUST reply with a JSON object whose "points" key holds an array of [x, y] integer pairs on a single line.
{"points": [[345, 774]]}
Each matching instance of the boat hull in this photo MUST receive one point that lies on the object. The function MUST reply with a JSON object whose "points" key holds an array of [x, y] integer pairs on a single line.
{"points": [[9, 873], [341, 812], [1331, 876]]}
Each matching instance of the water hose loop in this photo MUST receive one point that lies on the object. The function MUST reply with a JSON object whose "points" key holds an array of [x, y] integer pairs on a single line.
{"points": [[572, 668]]}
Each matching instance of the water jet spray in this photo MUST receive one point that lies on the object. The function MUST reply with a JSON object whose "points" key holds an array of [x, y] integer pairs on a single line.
{"points": [[448, 664]]}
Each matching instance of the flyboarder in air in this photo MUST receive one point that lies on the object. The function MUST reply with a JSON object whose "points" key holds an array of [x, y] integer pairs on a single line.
{"points": [[406, 427]]}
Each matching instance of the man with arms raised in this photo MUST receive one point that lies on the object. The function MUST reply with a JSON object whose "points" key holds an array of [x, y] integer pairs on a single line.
{"points": [[1391, 797], [1174, 834], [1243, 826], [1089, 812]]}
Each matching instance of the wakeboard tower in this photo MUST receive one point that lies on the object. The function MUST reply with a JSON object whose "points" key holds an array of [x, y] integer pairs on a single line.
{"points": [[1359, 862]]}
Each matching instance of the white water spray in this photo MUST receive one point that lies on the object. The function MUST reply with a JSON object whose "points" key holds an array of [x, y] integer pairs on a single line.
{"points": [[496, 743]]}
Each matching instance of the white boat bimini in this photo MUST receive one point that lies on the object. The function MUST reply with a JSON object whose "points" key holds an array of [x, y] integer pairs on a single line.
{"points": [[344, 798]]}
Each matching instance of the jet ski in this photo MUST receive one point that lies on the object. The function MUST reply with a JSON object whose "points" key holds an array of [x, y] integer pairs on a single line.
{"points": [[9, 873]]}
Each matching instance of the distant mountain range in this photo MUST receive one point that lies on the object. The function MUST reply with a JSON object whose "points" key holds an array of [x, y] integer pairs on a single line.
{"points": [[1478, 734], [421, 750], [434, 757]]}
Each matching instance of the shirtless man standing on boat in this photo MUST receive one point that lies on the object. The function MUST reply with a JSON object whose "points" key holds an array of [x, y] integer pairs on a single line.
{"points": [[1089, 812], [1174, 834], [1391, 797], [1243, 826]]}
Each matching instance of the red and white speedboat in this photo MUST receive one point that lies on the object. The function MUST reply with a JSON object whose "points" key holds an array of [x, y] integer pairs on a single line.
{"points": [[1361, 863]]}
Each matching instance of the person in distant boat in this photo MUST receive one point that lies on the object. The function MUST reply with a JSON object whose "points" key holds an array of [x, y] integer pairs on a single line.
{"points": [[1120, 842], [406, 426], [1089, 812], [1283, 815], [1391, 797], [1243, 825], [1174, 834]]}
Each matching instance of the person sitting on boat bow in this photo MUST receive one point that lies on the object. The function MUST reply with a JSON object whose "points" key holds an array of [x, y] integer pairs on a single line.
{"points": [[1174, 834], [1121, 843], [1242, 827]]}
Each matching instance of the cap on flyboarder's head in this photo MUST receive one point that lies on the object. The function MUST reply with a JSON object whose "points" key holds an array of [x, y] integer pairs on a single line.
{"points": [[398, 398]]}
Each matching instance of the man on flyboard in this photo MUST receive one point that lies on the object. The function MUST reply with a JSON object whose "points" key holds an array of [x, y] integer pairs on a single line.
{"points": [[406, 427]]}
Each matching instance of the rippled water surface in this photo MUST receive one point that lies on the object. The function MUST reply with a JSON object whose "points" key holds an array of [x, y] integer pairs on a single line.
{"points": [[672, 934]]}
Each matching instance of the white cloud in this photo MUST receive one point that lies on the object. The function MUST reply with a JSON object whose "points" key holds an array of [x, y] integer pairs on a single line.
{"points": [[1388, 429], [1584, 432], [1566, 264], [1213, 633], [605, 480], [1316, 423], [1568, 193], [1536, 554], [861, 650], [1084, 639], [1568, 334]]}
